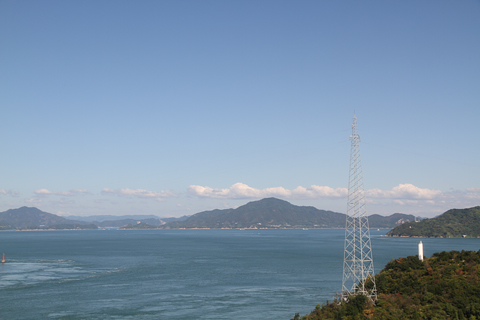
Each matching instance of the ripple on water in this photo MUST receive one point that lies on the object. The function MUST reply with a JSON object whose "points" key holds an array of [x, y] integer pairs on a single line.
{"points": [[16, 274]]}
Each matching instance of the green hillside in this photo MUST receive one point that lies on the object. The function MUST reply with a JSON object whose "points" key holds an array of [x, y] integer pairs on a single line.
{"points": [[265, 213], [445, 286], [33, 218], [25, 217], [454, 223], [276, 213]]}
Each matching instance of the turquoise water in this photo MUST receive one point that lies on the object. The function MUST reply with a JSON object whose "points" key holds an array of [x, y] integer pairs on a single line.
{"points": [[182, 274]]}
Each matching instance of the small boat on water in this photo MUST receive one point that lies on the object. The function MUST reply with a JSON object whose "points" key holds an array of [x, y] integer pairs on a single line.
{"points": [[3, 258]]}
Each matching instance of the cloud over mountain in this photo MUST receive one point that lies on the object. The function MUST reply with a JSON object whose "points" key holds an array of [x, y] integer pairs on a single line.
{"points": [[242, 191], [140, 193], [404, 191]]}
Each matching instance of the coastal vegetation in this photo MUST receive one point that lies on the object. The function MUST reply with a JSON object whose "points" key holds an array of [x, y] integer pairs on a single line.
{"points": [[455, 223], [445, 286]]}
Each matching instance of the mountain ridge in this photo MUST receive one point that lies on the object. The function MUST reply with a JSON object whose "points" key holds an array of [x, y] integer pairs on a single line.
{"points": [[277, 213], [454, 223], [264, 213], [26, 217]]}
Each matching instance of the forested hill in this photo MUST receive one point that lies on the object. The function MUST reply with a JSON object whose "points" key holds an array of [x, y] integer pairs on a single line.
{"points": [[445, 286], [30, 217], [276, 213], [265, 213], [454, 223]]}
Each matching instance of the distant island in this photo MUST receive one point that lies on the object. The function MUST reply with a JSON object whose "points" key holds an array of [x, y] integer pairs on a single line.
{"points": [[455, 223], [29, 218], [272, 213], [265, 213], [445, 286], [269, 213]]}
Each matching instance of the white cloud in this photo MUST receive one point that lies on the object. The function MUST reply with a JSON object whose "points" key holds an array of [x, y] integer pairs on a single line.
{"points": [[81, 191], [319, 192], [407, 192], [404, 191], [140, 193], [34, 201], [406, 198], [46, 192], [9, 192], [242, 191]]}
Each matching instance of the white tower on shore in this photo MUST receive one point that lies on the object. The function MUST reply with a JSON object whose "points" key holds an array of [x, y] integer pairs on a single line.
{"points": [[420, 251], [358, 259]]}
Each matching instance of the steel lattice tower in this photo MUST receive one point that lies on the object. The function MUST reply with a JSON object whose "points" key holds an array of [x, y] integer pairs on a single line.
{"points": [[358, 259]]}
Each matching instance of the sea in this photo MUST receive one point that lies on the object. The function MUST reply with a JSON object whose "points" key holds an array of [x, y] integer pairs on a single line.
{"points": [[183, 274]]}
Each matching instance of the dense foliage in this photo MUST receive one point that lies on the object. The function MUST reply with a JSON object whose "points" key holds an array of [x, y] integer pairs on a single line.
{"points": [[445, 286], [454, 223]]}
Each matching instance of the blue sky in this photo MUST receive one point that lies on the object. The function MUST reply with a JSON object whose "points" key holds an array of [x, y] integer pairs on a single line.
{"points": [[175, 107]]}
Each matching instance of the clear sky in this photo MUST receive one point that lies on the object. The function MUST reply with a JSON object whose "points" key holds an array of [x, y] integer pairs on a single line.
{"points": [[175, 107]]}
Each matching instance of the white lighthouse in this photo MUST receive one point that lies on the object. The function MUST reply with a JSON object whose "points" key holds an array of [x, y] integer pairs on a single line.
{"points": [[420, 251]]}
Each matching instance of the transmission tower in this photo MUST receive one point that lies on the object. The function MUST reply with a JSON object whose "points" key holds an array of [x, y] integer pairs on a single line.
{"points": [[358, 273]]}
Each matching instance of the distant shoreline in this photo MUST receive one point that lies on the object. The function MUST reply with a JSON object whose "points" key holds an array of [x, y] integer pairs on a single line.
{"points": [[240, 229]]}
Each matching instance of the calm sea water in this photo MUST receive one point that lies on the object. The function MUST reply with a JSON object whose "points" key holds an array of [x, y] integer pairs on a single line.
{"points": [[182, 274]]}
